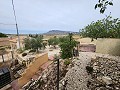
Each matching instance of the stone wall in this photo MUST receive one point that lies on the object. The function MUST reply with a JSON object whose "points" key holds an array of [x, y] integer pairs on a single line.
{"points": [[87, 48], [32, 69], [108, 46]]}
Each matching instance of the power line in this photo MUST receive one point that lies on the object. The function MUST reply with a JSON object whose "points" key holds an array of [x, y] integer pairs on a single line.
{"points": [[6, 24]]}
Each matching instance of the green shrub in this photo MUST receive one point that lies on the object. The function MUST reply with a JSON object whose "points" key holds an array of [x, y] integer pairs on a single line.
{"points": [[67, 62]]}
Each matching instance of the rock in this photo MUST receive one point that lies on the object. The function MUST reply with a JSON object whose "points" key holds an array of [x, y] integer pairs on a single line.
{"points": [[63, 83], [106, 74], [100, 88], [107, 80]]}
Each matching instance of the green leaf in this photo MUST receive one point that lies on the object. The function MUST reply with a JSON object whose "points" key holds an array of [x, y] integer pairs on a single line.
{"points": [[102, 10], [100, 5], [106, 2], [96, 6], [110, 3]]}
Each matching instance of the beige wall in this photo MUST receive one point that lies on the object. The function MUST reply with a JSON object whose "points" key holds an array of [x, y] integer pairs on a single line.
{"points": [[87, 41], [32, 69], [108, 46]]}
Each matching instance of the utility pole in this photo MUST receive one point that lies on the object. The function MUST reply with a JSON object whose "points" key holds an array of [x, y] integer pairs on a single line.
{"points": [[16, 24]]}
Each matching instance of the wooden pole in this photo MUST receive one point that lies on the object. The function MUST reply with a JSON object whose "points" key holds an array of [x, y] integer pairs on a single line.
{"points": [[57, 74]]}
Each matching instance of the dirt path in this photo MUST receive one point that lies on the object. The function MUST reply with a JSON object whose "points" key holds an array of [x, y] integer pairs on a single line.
{"points": [[77, 76]]}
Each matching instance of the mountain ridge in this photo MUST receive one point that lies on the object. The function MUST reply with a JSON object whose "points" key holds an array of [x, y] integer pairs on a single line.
{"points": [[59, 32]]}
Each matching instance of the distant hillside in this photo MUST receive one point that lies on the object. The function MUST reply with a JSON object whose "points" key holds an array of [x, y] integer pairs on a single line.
{"points": [[59, 32]]}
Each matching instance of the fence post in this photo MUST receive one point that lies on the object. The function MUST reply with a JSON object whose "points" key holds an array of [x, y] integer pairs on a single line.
{"points": [[57, 74]]}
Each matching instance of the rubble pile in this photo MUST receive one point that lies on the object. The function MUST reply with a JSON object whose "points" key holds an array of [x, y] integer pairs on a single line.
{"points": [[48, 79], [105, 74], [76, 78]]}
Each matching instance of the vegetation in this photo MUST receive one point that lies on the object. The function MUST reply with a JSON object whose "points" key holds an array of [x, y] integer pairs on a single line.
{"points": [[27, 43], [53, 41], [67, 45], [34, 43], [105, 28], [35, 36], [102, 4], [3, 35], [67, 62]]}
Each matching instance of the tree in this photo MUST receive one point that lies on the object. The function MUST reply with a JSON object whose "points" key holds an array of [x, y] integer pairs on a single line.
{"points": [[102, 4], [67, 46], [53, 41], [34, 43], [105, 28], [3, 35], [27, 43]]}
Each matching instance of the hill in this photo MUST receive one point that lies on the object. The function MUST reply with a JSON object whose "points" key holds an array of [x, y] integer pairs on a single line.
{"points": [[59, 32]]}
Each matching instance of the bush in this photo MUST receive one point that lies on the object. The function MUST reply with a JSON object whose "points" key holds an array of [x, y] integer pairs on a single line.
{"points": [[24, 54], [67, 62], [3, 35]]}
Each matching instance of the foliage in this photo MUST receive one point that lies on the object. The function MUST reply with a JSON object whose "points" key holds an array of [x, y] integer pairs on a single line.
{"points": [[35, 36], [63, 39], [53, 41], [67, 62], [27, 43], [3, 35], [34, 43], [105, 28], [102, 4], [67, 47]]}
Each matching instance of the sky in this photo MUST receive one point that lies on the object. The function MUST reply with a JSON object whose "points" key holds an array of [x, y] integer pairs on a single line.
{"points": [[39, 16]]}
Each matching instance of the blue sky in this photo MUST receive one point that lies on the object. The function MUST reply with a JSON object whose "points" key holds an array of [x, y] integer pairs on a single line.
{"points": [[38, 16]]}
